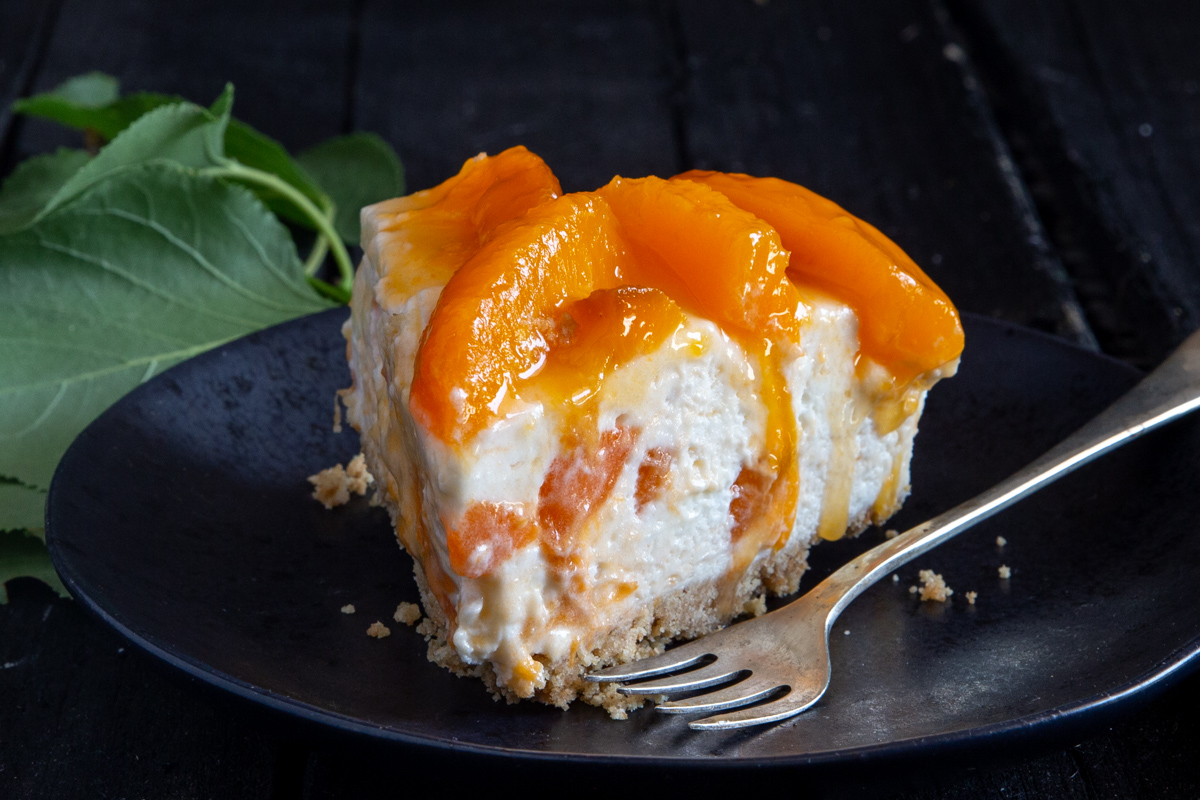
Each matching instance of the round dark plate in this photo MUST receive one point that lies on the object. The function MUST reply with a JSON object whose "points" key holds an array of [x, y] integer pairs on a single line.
{"points": [[182, 518]]}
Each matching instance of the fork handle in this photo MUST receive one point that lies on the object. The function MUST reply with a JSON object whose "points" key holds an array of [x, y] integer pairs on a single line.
{"points": [[1169, 392]]}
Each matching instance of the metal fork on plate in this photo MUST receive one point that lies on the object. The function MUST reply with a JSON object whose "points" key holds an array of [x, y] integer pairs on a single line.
{"points": [[783, 656]]}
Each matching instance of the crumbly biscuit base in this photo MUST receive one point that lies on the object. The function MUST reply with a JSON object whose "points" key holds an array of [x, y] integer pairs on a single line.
{"points": [[685, 614]]}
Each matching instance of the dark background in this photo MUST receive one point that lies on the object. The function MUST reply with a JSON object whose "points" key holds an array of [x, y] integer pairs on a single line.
{"points": [[1041, 160]]}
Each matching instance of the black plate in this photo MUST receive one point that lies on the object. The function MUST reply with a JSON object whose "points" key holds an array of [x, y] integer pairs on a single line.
{"points": [[182, 517]]}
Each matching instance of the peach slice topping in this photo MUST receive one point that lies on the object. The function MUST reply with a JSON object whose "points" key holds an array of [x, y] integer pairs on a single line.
{"points": [[907, 323], [433, 232], [487, 332]]}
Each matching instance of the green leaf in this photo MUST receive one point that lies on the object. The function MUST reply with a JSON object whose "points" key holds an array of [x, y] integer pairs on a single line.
{"points": [[21, 508], [90, 103], [241, 141], [33, 183], [183, 133], [262, 152], [90, 90], [355, 170], [151, 266], [25, 556]]}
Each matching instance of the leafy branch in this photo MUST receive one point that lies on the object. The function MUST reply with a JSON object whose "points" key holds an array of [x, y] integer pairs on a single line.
{"points": [[162, 239]]}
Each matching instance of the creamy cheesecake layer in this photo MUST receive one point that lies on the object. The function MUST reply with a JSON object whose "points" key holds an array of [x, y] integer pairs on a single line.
{"points": [[695, 398]]}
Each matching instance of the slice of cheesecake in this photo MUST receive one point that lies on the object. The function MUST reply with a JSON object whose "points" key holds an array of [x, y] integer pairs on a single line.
{"points": [[604, 420]]}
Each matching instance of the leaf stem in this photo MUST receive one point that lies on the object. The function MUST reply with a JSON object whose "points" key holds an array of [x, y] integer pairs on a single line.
{"points": [[324, 225], [316, 256]]}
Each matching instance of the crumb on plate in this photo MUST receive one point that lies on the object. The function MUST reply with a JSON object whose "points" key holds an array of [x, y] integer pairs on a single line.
{"points": [[933, 586], [378, 630], [755, 606], [971, 597], [891, 533], [333, 486], [1005, 572], [1001, 541], [348, 609], [407, 613]]}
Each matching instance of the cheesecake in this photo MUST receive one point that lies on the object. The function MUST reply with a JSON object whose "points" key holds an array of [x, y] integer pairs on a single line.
{"points": [[601, 421]]}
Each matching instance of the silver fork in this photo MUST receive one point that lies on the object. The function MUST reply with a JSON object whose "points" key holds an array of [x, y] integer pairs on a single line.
{"points": [[784, 655]]}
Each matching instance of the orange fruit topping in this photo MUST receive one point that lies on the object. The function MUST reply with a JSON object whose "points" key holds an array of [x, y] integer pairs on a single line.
{"points": [[906, 323], [706, 253], [488, 331], [432, 233], [594, 336]]}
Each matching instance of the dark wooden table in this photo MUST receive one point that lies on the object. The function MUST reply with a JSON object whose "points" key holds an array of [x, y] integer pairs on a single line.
{"points": [[1040, 159]]}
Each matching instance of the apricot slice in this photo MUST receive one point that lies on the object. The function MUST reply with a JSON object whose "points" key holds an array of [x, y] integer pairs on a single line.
{"points": [[488, 331], [599, 333], [430, 234], [708, 254], [906, 323]]}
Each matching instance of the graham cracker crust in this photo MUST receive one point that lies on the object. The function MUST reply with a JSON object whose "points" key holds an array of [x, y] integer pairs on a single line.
{"points": [[684, 614]]}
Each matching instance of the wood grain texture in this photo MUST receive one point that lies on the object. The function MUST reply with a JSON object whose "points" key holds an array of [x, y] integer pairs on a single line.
{"points": [[23, 31], [288, 60], [869, 104], [84, 715], [583, 84], [1102, 100], [874, 106]]}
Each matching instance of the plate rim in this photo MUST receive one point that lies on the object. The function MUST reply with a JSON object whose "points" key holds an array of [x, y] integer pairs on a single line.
{"points": [[1182, 661]]}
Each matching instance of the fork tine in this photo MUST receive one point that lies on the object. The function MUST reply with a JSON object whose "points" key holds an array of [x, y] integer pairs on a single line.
{"points": [[786, 706], [709, 675], [748, 691], [682, 657]]}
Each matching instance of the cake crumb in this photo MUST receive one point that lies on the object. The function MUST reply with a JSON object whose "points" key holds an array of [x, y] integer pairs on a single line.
{"points": [[348, 609], [895, 578], [407, 613], [1001, 541], [333, 486], [891, 533], [756, 606], [378, 630], [912, 590], [933, 586], [971, 597], [1005, 572]]}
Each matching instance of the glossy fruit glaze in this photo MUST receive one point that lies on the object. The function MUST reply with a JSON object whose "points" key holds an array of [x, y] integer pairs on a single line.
{"points": [[906, 323], [434, 232], [545, 294]]}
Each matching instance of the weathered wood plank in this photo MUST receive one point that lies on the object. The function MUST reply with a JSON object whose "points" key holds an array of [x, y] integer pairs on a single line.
{"points": [[583, 84], [1103, 99], [81, 716], [84, 715], [874, 106], [289, 61], [22, 39]]}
